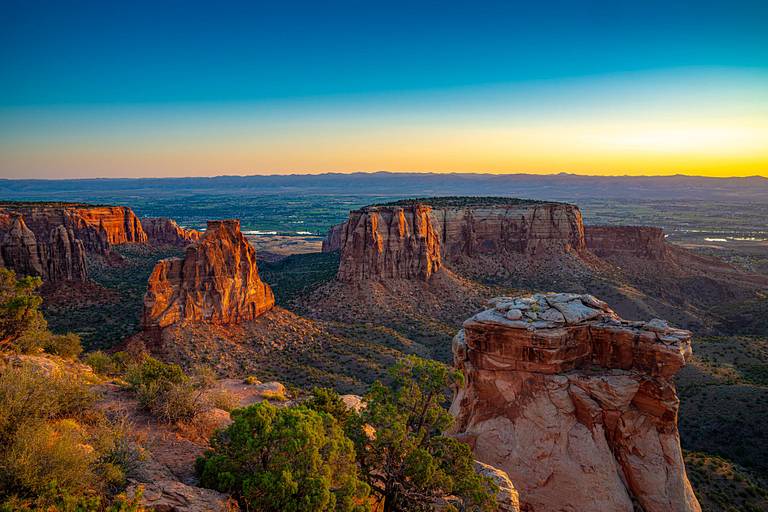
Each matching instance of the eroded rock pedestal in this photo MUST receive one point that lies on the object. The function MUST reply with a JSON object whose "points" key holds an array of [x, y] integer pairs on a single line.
{"points": [[217, 281], [577, 405]]}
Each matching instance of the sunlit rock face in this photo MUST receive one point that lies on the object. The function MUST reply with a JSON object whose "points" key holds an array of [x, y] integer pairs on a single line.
{"points": [[473, 236], [577, 405], [386, 242], [163, 231], [217, 281]]}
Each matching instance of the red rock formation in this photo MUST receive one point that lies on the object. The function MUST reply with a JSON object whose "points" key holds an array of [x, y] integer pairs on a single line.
{"points": [[217, 281], [389, 242], [529, 228], [55, 256], [638, 241], [333, 240], [575, 404], [164, 231], [490, 236], [119, 223]]}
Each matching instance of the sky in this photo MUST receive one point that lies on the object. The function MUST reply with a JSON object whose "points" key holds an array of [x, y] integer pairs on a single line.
{"points": [[184, 88]]}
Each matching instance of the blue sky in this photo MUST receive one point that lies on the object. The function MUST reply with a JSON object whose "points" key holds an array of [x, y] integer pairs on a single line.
{"points": [[92, 65]]}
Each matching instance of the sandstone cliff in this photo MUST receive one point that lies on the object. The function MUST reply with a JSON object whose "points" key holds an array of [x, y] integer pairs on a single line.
{"points": [[577, 405], [475, 236], [163, 231], [389, 243], [120, 224], [55, 256], [217, 282], [638, 241]]}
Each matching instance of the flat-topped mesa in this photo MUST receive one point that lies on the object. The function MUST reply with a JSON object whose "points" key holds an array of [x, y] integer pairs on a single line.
{"points": [[389, 242], [217, 282], [55, 256], [469, 230], [516, 227], [637, 241], [164, 231], [577, 405]]}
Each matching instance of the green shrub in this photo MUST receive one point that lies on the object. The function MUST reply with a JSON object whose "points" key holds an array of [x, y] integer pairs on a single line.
{"points": [[64, 345], [55, 452], [288, 459], [328, 401], [101, 363], [166, 391], [408, 462]]}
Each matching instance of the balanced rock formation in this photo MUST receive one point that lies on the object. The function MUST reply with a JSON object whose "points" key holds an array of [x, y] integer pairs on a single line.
{"points": [[217, 281], [389, 242], [55, 256], [577, 405], [163, 231]]}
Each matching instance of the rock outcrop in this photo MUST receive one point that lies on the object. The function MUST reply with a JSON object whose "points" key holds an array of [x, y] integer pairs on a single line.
{"points": [[119, 224], [55, 256], [577, 405], [389, 242], [475, 233], [638, 241], [163, 231], [51, 239], [217, 281]]}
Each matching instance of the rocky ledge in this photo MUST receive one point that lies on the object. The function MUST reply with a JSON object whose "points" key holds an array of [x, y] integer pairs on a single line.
{"points": [[217, 281], [576, 404]]}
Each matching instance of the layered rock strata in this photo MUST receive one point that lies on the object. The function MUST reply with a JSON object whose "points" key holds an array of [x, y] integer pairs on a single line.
{"points": [[217, 281], [163, 231], [386, 241], [389, 243], [577, 405], [637, 241], [54, 256]]}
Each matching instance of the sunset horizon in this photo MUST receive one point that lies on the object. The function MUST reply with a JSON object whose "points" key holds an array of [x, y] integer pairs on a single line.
{"points": [[95, 90]]}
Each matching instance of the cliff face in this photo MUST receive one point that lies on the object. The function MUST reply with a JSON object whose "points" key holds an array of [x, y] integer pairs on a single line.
{"points": [[384, 241], [528, 229], [119, 223], [575, 404], [638, 241], [55, 256], [217, 281], [162, 231], [389, 243]]}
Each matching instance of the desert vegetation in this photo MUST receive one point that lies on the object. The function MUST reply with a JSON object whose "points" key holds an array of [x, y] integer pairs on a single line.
{"points": [[322, 455]]}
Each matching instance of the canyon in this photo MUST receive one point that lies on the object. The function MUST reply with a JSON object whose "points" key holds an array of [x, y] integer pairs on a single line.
{"points": [[217, 281], [577, 405]]}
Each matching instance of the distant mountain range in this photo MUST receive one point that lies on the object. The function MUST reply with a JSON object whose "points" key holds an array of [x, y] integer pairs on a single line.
{"points": [[552, 187]]}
